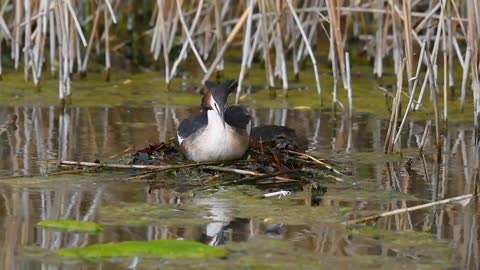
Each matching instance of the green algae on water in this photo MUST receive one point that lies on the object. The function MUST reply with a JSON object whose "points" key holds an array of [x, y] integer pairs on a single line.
{"points": [[165, 249], [70, 225]]}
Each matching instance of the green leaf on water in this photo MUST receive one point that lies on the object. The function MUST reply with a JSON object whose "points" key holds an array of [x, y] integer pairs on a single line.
{"points": [[166, 249], [70, 225]]}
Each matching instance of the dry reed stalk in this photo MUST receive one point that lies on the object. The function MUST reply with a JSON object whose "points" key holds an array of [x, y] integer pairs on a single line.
{"points": [[93, 32], [412, 95], [427, 18], [3, 24], [295, 62], [246, 49], [265, 41], [27, 38], [379, 43], [110, 11], [173, 23], [473, 38], [369, 10], [255, 44], [52, 41], [349, 85], [397, 55], [450, 37], [307, 44], [219, 33], [426, 133], [458, 15], [242, 172], [163, 37], [463, 199], [337, 37], [396, 106], [41, 38], [229, 40], [466, 65], [408, 42], [156, 168], [106, 21], [1, 70], [281, 62], [188, 33], [433, 93], [77, 23], [445, 62], [398, 103], [427, 75], [333, 58], [17, 33], [63, 42]]}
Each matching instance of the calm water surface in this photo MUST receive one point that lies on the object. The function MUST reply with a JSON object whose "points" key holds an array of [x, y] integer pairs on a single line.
{"points": [[46, 134]]}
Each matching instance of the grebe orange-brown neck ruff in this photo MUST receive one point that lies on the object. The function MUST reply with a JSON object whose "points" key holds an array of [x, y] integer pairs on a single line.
{"points": [[218, 132]]}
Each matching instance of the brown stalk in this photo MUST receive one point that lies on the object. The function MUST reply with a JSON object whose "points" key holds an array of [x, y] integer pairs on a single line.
{"points": [[219, 33], [408, 42], [266, 48], [337, 37]]}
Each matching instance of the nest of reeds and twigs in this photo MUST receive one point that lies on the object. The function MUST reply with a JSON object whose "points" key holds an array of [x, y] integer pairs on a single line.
{"points": [[277, 162]]}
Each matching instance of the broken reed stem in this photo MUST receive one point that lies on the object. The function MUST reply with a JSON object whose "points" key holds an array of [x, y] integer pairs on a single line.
{"points": [[242, 172], [249, 179], [316, 160], [465, 198], [156, 168]]}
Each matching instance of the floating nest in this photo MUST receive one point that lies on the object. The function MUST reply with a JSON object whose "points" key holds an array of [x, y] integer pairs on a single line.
{"points": [[277, 161]]}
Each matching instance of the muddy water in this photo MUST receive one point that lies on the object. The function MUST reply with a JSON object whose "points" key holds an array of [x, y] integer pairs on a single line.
{"points": [[302, 231]]}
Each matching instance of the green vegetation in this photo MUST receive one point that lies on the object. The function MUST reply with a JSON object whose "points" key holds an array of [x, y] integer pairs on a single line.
{"points": [[165, 249], [70, 225]]}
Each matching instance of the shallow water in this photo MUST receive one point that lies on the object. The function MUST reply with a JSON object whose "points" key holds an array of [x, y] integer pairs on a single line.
{"points": [[300, 231]]}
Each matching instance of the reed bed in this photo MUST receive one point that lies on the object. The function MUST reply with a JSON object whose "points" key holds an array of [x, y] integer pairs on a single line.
{"points": [[425, 41]]}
